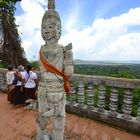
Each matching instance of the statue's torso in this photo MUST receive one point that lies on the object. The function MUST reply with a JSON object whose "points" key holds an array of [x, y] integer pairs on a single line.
{"points": [[55, 56]]}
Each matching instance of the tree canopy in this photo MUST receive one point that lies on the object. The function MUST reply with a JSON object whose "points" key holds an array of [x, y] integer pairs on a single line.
{"points": [[12, 52]]}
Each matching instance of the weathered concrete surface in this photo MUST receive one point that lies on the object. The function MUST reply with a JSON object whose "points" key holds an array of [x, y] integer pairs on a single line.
{"points": [[109, 81], [132, 125], [78, 128], [19, 124], [3, 80]]}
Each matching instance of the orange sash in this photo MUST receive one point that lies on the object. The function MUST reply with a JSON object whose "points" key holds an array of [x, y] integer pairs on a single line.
{"points": [[53, 69]]}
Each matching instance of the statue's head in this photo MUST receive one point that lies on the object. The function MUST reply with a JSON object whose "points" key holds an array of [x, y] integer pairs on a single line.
{"points": [[51, 24]]}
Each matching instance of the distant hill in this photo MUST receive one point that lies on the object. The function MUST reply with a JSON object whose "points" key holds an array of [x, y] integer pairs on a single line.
{"points": [[82, 62]]}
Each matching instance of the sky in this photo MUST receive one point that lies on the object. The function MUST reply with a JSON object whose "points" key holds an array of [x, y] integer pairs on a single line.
{"points": [[99, 30]]}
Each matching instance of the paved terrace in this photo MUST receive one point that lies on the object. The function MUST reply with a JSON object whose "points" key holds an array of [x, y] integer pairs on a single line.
{"points": [[19, 124]]}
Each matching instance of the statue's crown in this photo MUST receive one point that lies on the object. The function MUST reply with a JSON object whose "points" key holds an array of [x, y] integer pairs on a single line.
{"points": [[51, 13], [51, 4]]}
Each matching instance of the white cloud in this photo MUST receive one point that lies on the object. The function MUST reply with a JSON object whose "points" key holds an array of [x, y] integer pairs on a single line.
{"points": [[105, 39], [30, 24]]}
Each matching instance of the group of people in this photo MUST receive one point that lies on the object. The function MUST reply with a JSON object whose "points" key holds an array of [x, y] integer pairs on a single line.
{"points": [[21, 84]]}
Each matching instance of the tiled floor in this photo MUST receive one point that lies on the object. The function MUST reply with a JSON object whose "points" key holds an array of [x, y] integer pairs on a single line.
{"points": [[20, 124], [86, 129]]}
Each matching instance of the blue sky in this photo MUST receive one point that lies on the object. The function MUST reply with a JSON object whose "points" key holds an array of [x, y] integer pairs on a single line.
{"points": [[98, 29]]}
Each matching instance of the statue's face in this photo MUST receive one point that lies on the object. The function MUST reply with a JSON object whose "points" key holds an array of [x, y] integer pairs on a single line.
{"points": [[51, 29]]}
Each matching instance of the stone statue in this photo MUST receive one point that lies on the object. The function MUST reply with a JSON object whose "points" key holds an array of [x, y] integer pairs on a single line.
{"points": [[56, 66]]}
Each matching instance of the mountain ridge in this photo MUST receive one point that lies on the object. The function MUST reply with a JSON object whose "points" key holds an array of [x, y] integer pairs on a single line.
{"points": [[105, 62]]}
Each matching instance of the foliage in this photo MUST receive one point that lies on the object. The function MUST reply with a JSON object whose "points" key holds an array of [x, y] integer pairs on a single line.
{"points": [[12, 52], [34, 64], [107, 98], [120, 99], [5, 3], [3, 66], [124, 71], [136, 99], [95, 96]]}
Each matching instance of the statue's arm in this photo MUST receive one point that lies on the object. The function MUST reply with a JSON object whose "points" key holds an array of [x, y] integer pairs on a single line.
{"points": [[68, 60]]}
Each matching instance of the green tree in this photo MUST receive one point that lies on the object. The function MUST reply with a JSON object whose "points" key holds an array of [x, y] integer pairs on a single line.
{"points": [[12, 52], [34, 64]]}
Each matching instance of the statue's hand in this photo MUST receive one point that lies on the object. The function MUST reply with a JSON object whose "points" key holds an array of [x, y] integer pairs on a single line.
{"points": [[68, 47], [68, 60]]}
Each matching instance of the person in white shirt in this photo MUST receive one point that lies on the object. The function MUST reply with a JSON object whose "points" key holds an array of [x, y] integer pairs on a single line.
{"points": [[30, 83], [10, 78]]}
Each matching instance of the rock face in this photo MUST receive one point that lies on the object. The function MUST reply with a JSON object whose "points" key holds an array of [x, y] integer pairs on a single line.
{"points": [[56, 65]]}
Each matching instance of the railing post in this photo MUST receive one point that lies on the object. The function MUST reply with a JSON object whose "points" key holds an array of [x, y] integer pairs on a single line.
{"points": [[101, 100], [90, 94], [138, 114], [81, 94], [72, 93], [127, 104], [113, 102]]}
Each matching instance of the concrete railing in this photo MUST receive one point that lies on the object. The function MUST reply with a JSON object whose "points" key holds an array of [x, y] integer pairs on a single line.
{"points": [[3, 86], [106, 90], [91, 95]]}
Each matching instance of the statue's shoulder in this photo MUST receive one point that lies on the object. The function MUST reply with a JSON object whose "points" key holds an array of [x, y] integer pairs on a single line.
{"points": [[43, 48], [42, 45], [68, 47]]}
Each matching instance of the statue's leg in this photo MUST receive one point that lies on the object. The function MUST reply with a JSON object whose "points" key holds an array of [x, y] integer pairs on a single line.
{"points": [[59, 125], [40, 133], [41, 120], [59, 120], [41, 125]]}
